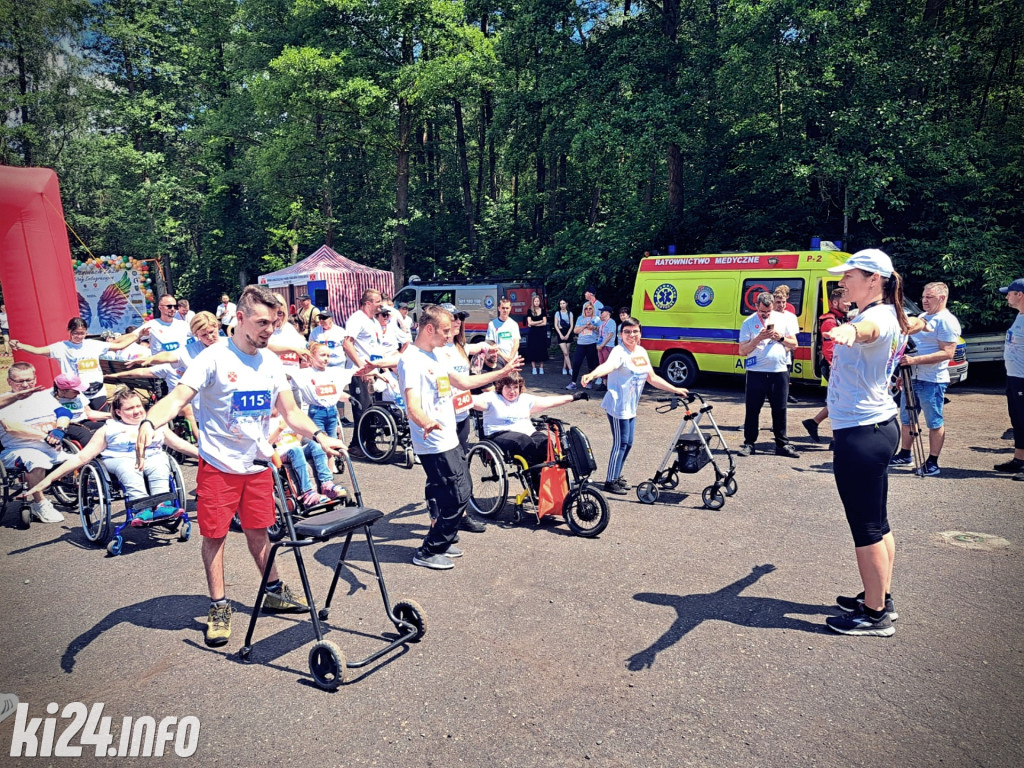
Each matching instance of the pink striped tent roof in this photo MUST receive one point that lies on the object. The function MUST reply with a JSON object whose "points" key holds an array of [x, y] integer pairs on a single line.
{"points": [[345, 279]]}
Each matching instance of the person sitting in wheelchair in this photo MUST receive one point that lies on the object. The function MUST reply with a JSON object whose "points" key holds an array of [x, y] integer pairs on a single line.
{"points": [[292, 452], [115, 447], [507, 413], [83, 420], [385, 384], [30, 432]]}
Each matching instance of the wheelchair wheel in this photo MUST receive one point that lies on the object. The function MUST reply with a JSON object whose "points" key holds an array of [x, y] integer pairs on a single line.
{"points": [[5, 490], [410, 612], [713, 497], [65, 490], [410, 458], [177, 482], [327, 665], [94, 504], [377, 434], [279, 529], [585, 511], [647, 492], [489, 477]]}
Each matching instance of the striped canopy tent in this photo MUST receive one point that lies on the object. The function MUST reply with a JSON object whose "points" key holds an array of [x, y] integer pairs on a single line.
{"points": [[328, 275]]}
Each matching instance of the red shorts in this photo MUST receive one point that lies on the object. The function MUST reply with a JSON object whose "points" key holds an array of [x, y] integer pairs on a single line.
{"points": [[221, 495]]}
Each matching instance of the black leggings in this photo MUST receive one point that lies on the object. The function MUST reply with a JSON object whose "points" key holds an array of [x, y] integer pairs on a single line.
{"points": [[587, 352], [533, 448], [1015, 405], [861, 467]]}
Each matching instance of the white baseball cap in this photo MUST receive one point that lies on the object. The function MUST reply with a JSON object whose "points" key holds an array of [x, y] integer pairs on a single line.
{"points": [[870, 260]]}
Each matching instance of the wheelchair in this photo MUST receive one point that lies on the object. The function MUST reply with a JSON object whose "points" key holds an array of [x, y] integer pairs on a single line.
{"points": [[327, 663], [97, 492], [13, 484], [382, 431], [585, 509]]}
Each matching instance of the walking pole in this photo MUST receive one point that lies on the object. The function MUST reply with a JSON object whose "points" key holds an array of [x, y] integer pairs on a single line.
{"points": [[914, 411]]}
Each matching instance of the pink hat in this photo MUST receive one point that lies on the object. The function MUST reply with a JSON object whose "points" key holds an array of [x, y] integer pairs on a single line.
{"points": [[64, 381]]}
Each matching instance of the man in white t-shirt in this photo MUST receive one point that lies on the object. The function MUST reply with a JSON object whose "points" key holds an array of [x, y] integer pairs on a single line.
{"points": [[936, 345], [241, 382], [781, 304], [504, 331], [226, 313], [365, 352], [1013, 359], [30, 436], [766, 343], [184, 313], [428, 384]]}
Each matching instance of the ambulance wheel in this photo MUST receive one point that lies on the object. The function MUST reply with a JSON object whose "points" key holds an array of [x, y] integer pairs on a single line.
{"points": [[647, 492], [410, 612], [327, 665], [731, 487], [713, 497], [585, 511], [679, 369]]}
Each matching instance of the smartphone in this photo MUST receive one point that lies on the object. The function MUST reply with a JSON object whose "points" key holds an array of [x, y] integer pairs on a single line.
{"points": [[770, 326]]}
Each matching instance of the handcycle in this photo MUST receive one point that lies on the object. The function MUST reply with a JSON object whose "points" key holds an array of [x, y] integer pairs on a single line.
{"points": [[327, 663], [584, 509]]}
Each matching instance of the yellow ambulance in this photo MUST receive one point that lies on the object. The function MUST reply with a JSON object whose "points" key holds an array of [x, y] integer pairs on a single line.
{"points": [[691, 309]]}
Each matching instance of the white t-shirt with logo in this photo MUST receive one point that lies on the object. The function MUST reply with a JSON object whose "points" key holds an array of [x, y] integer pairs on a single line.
{"points": [[626, 382], [81, 360], [389, 341], [504, 334], [167, 337], [334, 338], [858, 387], [76, 405], [238, 393], [121, 439], [1013, 348], [462, 400], [287, 334], [502, 416], [322, 388], [427, 376], [227, 314], [365, 333], [37, 410], [768, 356], [944, 328]]}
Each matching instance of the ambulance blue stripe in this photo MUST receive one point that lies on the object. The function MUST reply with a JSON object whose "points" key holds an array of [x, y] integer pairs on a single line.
{"points": [[715, 334]]}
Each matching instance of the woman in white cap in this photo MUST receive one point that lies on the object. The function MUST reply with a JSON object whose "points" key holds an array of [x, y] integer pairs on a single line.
{"points": [[866, 431]]}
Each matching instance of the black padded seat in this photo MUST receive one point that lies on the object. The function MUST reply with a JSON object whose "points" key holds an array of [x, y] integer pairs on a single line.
{"points": [[338, 521]]}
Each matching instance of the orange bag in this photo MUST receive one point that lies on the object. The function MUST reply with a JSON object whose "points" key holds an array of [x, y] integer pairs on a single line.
{"points": [[554, 483]]}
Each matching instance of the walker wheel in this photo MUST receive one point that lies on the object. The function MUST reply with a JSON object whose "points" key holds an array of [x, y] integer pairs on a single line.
{"points": [[411, 612], [243, 652], [114, 546], [713, 497], [323, 613], [671, 480], [731, 487], [647, 492], [327, 665]]}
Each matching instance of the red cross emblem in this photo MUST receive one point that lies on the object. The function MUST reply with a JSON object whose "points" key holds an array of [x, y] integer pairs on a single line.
{"points": [[232, 377]]}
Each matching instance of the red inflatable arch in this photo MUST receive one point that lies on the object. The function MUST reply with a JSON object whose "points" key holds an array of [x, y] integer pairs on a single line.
{"points": [[35, 262]]}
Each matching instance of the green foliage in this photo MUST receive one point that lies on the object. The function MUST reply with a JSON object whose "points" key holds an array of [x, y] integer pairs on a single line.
{"points": [[231, 137]]}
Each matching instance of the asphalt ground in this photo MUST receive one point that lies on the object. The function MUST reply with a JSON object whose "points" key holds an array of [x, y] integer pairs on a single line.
{"points": [[681, 636]]}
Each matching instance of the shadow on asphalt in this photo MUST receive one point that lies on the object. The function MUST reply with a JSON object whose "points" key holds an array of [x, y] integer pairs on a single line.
{"points": [[726, 605]]}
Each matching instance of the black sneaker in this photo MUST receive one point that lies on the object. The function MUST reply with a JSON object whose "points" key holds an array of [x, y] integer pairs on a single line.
{"points": [[1018, 476], [900, 460], [471, 524], [850, 604], [812, 429], [355, 452], [1011, 466], [746, 450], [788, 451], [860, 623], [930, 469], [437, 562], [614, 487], [621, 482]]}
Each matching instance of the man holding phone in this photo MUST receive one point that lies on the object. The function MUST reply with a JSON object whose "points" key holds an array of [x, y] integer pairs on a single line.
{"points": [[766, 341]]}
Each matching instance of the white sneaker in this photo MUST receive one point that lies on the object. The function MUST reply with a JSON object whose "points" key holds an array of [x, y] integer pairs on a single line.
{"points": [[44, 512], [565, 371], [534, 371]]}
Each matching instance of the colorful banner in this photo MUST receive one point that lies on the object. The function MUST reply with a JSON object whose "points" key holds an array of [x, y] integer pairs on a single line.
{"points": [[113, 293]]}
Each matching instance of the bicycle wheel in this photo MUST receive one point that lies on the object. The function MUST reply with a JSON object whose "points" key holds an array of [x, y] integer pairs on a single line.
{"points": [[585, 511], [489, 477], [377, 434]]}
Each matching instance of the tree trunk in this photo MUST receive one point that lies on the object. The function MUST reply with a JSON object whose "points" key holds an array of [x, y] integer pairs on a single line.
{"points": [[675, 190], [467, 192], [26, 116], [538, 206], [401, 191]]}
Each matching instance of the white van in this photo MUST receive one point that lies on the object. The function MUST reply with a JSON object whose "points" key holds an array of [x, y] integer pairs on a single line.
{"points": [[478, 298]]}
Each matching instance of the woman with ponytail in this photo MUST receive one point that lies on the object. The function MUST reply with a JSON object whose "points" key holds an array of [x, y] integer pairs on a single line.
{"points": [[866, 431]]}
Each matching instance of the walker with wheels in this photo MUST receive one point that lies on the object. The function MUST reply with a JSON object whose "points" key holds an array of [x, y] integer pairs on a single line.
{"points": [[689, 452]]}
